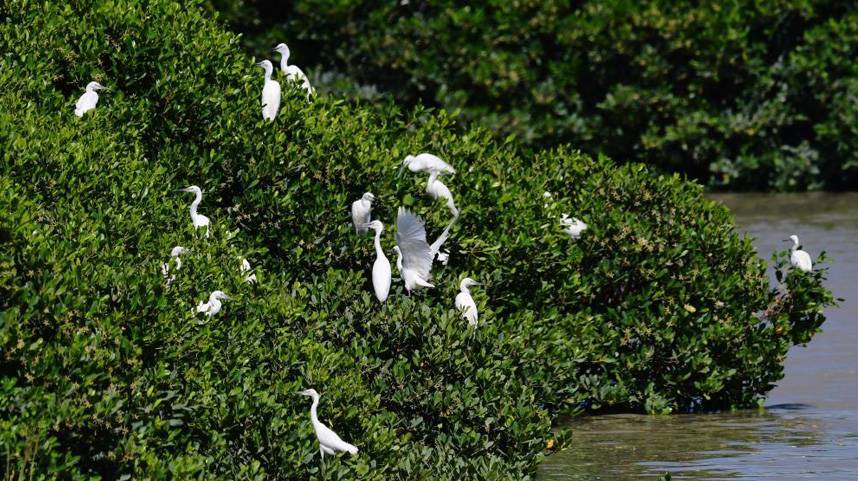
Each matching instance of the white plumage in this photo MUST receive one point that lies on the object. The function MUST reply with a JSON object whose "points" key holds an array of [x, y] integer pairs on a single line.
{"points": [[292, 72], [329, 442], [270, 92], [437, 189], [435, 248], [799, 258], [361, 210], [426, 163], [573, 226], [465, 303], [198, 220], [165, 267], [414, 255], [245, 268], [88, 100], [213, 306], [381, 277]]}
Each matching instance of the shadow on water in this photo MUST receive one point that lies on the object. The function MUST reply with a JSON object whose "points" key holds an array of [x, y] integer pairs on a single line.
{"points": [[809, 429]]}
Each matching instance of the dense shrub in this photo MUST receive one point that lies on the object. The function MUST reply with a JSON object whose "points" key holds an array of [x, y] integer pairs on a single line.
{"points": [[743, 95], [105, 372]]}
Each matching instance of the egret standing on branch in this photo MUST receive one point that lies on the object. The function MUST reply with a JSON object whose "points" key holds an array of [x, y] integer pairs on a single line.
{"points": [[213, 306], [414, 255], [799, 258], [270, 92], [436, 189], [329, 442], [198, 220], [88, 100], [292, 72], [361, 209], [574, 226], [426, 163], [465, 303], [381, 268]]}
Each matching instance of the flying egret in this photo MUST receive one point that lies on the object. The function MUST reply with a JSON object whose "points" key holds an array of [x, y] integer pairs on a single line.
{"points": [[799, 258], [414, 255], [270, 92], [435, 248], [165, 267], [381, 268], [329, 442], [292, 72], [361, 209], [88, 100], [426, 163], [573, 226], [436, 189], [198, 220], [465, 303], [213, 306], [245, 267]]}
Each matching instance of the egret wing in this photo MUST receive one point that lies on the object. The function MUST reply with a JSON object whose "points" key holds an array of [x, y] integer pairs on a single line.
{"points": [[436, 246], [330, 439], [411, 239], [86, 102]]}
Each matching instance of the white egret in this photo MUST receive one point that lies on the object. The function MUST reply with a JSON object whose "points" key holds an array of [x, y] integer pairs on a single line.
{"points": [[165, 267], [573, 226], [213, 306], [329, 442], [381, 268], [436, 189], [292, 72], [245, 267], [88, 100], [426, 163], [465, 303], [435, 248], [414, 255], [361, 209], [799, 259], [198, 220], [270, 92]]}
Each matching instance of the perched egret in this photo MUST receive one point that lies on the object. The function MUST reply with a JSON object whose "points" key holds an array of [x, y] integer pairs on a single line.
{"points": [[426, 163], [465, 303], [436, 189], [88, 100], [329, 442], [270, 92], [381, 268], [799, 259], [165, 267], [414, 255], [198, 220], [361, 209], [435, 248], [292, 72], [573, 226], [245, 267], [213, 306]]}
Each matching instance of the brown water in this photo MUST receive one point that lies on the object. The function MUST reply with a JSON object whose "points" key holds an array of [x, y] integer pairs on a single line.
{"points": [[809, 428]]}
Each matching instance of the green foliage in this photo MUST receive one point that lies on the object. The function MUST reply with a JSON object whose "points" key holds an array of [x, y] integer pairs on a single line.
{"points": [[745, 95], [105, 372]]}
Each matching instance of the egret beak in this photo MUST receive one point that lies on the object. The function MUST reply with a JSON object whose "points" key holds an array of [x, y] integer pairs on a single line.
{"points": [[786, 240], [401, 168], [478, 283]]}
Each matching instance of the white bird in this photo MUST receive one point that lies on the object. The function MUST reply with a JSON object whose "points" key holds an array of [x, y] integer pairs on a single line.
{"points": [[799, 258], [198, 220], [245, 267], [165, 267], [361, 209], [465, 303], [573, 226], [381, 268], [329, 442], [426, 163], [213, 306], [292, 72], [414, 255], [88, 100], [270, 92], [435, 248], [436, 189]]}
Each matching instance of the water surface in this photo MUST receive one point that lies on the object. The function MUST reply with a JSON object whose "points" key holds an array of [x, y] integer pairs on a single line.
{"points": [[809, 428]]}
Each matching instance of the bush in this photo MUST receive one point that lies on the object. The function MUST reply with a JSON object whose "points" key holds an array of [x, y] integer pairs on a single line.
{"points": [[746, 96], [106, 373]]}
